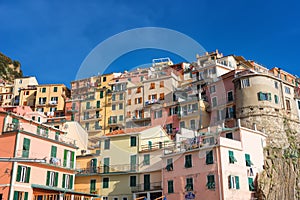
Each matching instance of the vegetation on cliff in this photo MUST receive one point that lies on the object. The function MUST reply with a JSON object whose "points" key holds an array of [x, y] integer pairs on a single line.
{"points": [[9, 69]]}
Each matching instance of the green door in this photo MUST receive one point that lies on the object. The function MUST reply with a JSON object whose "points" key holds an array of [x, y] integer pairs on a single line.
{"points": [[147, 182], [94, 165], [133, 163], [106, 165]]}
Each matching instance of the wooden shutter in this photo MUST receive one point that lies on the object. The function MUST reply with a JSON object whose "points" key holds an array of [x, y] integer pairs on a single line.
{"points": [[237, 182], [71, 182], [48, 178], [63, 181], [65, 157], [72, 159], [56, 179], [19, 173], [28, 169], [53, 151]]}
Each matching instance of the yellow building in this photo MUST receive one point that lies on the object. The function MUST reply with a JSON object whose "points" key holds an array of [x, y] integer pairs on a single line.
{"points": [[27, 96], [50, 99], [22, 83], [6, 94]]}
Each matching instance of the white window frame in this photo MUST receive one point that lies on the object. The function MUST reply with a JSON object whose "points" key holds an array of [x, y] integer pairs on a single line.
{"points": [[245, 83], [23, 174], [51, 179]]}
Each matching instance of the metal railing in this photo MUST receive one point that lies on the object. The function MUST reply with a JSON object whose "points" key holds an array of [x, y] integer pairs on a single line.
{"points": [[108, 169]]}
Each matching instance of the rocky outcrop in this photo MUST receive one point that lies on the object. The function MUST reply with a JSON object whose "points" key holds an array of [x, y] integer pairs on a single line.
{"points": [[9, 69]]}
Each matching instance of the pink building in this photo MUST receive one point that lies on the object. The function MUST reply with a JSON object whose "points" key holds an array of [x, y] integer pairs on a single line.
{"points": [[218, 164], [39, 160]]}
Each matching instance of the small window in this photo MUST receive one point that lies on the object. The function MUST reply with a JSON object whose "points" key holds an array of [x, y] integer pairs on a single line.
{"points": [[264, 96], [129, 91], [287, 90], [104, 79], [245, 83], [101, 94], [113, 106], [106, 143], [229, 135], [188, 161], [129, 102], [121, 118], [170, 186], [276, 99], [288, 104], [209, 157], [152, 86], [248, 160], [189, 184], [105, 182], [251, 184], [211, 182], [138, 90], [182, 124], [169, 166], [113, 97], [231, 157], [55, 89], [212, 89], [133, 141], [132, 181], [23, 174], [162, 96], [121, 97], [43, 90], [120, 106], [146, 159], [92, 185], [229, 96], [158, 114], [233, 182], [214, 102], [276, 84], [161, 84]]}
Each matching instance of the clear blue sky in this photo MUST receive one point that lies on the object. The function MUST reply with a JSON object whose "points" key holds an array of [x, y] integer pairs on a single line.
{"points": [[52, 38]]}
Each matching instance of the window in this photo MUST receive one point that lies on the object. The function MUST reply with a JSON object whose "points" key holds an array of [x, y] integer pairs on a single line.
{"points": [[42, 100], [19, 195], [121, 97], [212, 89], [161, 84], [251, 184], [169, 164], [142, 78], [233, 182], [101, 94], [43, 90], [173, 111], [264, 96], [248, 160], [52, 179], [53, 151], [104, 198], [121, 118], [152, 86], [188, 161], [276, 99], [88, 105], [105, 182], [138, 90], [129, 102], [138, 100], [92, 185], [288, 104], [298, 105], [133, 141], [170, 186], [214, 101], [229, 96], [26, 147], [276, 84], [209, 157], [229, 135], [245, 83], [287, 90], [162, 96], [87, 126], [157, 114], [104, 79], [69, 158], [146, 159], [23, 174], [55, 89], [189, 184], [113, 97], [106, 143], [182, 124], [132, 181], [113, 106], [54, 100], [67, 181], [231, 157], [120, 106], [211, 181], [129, 91], [193, 124]]}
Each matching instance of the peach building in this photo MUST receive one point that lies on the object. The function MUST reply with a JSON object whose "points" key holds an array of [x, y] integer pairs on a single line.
{"points": [[217, 164], [38, 160]]}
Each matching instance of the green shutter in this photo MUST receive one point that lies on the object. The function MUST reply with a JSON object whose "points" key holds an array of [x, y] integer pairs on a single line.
{"points": [[248, 160], [237, 182], [56, 179], [251, 185], [38, 130], [16, 195], [209, 157], [72, 159], [47, 132], [53, 151], [231, 157], [48, 178], [269, 97], [63, 181], [229, 182], [26, 196], [98, 104], [27, 174], [26, 147], [65, 157], [276, 99], [170, 187], [19, 173], [92, 185], [101, 94], [71, 182]]}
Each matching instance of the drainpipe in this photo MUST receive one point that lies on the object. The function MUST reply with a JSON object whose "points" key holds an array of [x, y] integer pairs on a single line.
{"points": [[219, 178], [13, 175]]}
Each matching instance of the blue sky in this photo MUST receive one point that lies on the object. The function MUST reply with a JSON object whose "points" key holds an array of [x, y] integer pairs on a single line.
{"points": [[52, 38]]}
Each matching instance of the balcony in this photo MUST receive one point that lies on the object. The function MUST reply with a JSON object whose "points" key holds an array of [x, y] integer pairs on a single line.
{"points": [[72, 110], [41, 103], [91, 118], [147, 187], [140, 118], [107, 169], [151, 102], [52, 103]]}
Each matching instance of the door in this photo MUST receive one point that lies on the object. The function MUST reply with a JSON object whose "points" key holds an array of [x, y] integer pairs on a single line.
{"points": [[133, 163], [147, 182], [106, 165], [94, 165]]}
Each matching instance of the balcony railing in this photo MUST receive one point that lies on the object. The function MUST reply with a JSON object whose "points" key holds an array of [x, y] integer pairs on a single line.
{"points": [[108, 169], [147, 187]]}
